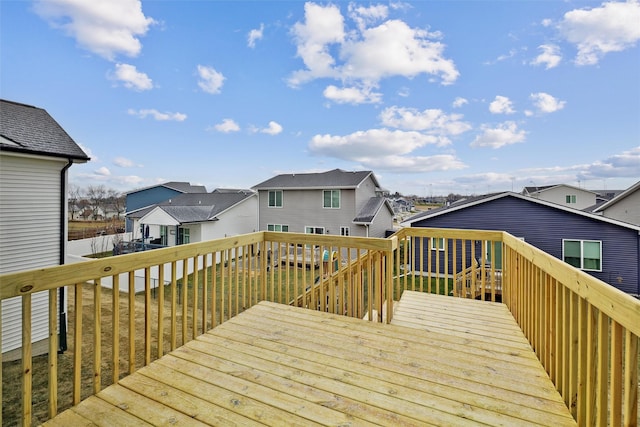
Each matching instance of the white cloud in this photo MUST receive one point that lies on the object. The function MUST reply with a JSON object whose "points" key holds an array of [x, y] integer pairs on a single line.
{"points": [[459, 102], [430, 121], [274, 128], [363, 56], [384, 149], [365, 16], [506, 133], [612, 27], [546, 103], [550, 56], [103, 171], [123, 162], [131, 77], [210, 80], [501, 105], [157, 115], [255, 34], [352, 95], [227, 126], [370, 143], [418, 164], [624, 165], [323, 26], [104, 27]]}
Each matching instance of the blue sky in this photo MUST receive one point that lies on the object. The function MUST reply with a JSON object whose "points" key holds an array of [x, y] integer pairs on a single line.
{"points": [[433, 96]]}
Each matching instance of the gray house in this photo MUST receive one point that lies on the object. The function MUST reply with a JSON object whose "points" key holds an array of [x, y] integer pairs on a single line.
{"points": [[606, 248], [333, 202], [35, 155]]}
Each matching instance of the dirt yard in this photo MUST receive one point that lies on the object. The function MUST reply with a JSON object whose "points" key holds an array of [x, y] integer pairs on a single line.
{"points": [[11, 371]]}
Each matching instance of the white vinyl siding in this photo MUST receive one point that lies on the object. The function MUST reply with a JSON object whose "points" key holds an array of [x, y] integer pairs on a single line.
{"points": [[29, 234]]}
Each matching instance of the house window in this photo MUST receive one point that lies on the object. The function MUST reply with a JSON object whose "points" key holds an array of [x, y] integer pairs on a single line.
{"points": [[331, 199], [183, 236], [277, 227], [164, 235], [314, 230], [344, 231], [583, 254], [437, 244], [275, 198], [571, 198]]}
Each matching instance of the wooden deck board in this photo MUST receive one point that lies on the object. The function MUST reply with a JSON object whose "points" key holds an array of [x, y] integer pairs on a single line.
{"points": [[445, 362]]}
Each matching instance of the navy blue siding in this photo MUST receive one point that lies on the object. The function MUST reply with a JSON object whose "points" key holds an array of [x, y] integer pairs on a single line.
{"points": [[545, 227]]}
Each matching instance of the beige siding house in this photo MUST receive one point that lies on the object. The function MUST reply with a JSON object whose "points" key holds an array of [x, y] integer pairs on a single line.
{"points": [[562, 194], [35, 154], [334, 202], [624, 207]]}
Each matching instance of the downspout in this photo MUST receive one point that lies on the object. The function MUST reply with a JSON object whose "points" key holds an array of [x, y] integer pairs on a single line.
{"points": [[62, 339]]}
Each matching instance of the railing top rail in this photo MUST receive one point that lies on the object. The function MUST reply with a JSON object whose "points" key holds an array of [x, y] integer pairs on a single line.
{"points": [[619, 306], [369, 243], [449, 233], [31, 281]]}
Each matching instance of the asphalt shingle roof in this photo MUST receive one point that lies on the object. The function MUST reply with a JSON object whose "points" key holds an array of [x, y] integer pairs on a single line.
{"points": [[336, 178], [28, 129], [369, 210], [198, 207]]}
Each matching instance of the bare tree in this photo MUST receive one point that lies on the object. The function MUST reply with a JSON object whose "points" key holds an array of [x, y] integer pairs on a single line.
{"points": [[96, 196], [73, 198], [116, 201]]}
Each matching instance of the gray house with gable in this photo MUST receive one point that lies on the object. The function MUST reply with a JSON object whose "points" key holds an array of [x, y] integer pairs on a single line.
{"points": [[333, 202]]}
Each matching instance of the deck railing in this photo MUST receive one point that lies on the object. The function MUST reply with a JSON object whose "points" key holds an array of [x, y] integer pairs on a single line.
{"points": [[584, 331]]}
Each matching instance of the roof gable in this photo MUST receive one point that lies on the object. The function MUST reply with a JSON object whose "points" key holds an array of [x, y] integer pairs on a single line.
{"points": [[370, 209], [626, 193], [28, 129], [473, 201]]}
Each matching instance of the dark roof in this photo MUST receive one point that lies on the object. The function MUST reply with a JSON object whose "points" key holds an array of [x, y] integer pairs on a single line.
{"points": [[370, 210], [461, 204], [179, 186], [28, 129], [198, 207], [336, 178]]}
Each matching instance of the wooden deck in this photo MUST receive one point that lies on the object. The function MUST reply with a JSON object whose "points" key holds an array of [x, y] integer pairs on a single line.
{"points": [[443, 361]]}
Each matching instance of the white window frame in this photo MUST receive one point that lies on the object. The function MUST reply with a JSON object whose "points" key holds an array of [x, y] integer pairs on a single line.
{"points": [[582, 242], [331, 198], [440, 241], [571, 199], [310, 229], [344, 231], [275, 202], [278, 227]]}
